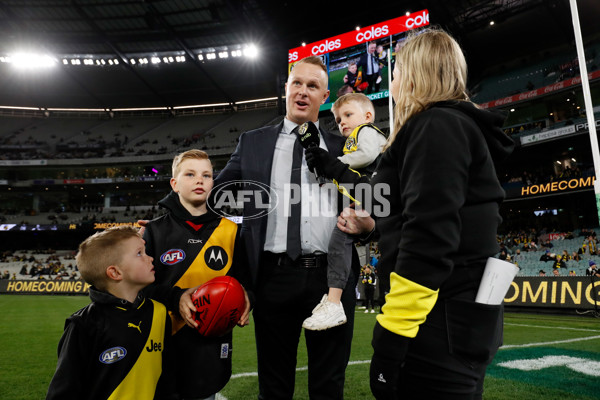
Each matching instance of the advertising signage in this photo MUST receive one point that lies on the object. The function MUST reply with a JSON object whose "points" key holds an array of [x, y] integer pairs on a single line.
{"points": [[578, 292], [346, 56]]}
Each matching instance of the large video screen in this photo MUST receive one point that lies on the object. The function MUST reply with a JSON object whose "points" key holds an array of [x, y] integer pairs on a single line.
{"points": [[357, 61]]}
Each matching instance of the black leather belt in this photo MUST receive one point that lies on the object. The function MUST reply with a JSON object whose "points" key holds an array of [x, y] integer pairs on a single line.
{"points": [[305, 261]]}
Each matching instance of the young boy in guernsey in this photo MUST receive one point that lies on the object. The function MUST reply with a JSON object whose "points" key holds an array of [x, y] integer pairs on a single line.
{"points": [[354, 114], [191, 245], [115, 347]]}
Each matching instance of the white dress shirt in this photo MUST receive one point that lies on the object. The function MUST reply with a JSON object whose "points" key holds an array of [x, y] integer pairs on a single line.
{"points": [[319, 204]]}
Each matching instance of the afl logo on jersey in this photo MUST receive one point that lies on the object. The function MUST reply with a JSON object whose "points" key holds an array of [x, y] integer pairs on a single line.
{"points": [[172, 257], [216, 258], [113, 355]]}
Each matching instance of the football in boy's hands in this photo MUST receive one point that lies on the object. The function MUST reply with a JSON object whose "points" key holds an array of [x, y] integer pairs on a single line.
{"points": [[219, 303]]}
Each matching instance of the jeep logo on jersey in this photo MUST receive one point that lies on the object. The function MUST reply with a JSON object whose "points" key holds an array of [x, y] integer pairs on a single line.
{"points": [[172, 257], [254, 198], [215, 258], [113, 355]]}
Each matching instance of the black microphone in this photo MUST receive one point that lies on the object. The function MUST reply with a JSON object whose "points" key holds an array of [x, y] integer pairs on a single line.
{"points": [[308, 133]]}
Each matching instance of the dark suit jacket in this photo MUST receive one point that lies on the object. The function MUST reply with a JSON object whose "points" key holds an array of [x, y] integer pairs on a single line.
{"points": [[362, 63], [252, 161]]}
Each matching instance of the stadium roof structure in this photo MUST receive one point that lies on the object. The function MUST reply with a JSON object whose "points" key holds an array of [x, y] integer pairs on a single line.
{"points": [[122, 39]]}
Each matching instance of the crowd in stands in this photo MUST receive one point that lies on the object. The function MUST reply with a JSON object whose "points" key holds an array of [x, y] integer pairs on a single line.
{"points": [[541, 176], [40, 264], [537, 126], [515, 246]]}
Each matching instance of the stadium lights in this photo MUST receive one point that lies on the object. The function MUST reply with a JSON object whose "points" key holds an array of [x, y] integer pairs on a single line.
{"points": [[30, 60], [492, 23], [167, 57], [251, 51]]}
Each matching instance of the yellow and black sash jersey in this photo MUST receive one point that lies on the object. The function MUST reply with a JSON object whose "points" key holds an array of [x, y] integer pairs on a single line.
{"points": [[351, 145], [112, 349], [189, 251]]}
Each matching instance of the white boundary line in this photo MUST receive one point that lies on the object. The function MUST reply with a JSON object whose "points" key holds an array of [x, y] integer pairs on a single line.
{"points": [[515, 346], [554, 327]]}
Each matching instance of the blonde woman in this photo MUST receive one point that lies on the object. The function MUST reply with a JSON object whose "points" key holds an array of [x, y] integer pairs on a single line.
{"points": [[432, 340]]}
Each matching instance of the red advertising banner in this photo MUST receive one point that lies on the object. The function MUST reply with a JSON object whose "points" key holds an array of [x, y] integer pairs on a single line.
{"points": [[541, 91], [556, 236], [383, 29], [73, 181]]}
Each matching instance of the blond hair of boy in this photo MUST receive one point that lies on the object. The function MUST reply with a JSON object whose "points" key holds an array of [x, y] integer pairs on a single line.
{"points": [[192, 180], [115, 261]]}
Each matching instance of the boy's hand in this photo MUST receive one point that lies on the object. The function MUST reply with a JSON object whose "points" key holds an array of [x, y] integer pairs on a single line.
{"points": [[187, 307], [245, 318]]}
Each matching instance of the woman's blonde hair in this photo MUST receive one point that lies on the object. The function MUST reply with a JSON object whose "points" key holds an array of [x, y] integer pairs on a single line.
{"points": [[432, 68]]}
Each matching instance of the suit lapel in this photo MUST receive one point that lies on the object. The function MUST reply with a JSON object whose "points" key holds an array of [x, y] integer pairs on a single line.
{"points": [[334, 146]]}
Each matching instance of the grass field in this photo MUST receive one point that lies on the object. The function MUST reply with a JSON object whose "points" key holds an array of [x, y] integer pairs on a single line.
{"points": [[564, 353]]}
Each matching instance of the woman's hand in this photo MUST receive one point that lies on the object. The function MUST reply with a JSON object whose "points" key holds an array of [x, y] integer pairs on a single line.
{"points": [[355, 222]]}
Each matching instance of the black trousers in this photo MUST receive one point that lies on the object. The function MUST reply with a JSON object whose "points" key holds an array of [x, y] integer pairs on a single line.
{"points": [[369, 296], [285, 296], [448, 358], [373, 86]]}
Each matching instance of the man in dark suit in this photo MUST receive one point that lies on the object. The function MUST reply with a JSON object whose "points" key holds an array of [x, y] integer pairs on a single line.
{"points": [[290, 281], [369, 63]]}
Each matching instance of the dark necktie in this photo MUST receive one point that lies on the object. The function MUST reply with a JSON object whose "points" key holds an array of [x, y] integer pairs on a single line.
{"points": [[294, 248]]}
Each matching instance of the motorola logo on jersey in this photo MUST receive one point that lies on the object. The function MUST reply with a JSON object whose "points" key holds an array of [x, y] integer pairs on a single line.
{"points": [[113, 355], [216, 258], [172, 257]]}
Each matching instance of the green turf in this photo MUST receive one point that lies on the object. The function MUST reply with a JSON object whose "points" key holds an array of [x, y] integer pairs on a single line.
{"points": [[30, 327]]}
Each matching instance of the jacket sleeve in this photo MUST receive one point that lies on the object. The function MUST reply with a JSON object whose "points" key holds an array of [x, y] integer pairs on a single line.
{"points": [[73, 357], [433, 169]]}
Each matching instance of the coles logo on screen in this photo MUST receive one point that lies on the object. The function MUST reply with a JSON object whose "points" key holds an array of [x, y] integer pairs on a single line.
{"points": [[326, 47], [373, 33], [417, 21]]}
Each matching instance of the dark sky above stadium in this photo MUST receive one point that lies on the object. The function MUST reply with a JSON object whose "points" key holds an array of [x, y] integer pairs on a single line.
{"points": [[524, 31]]}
